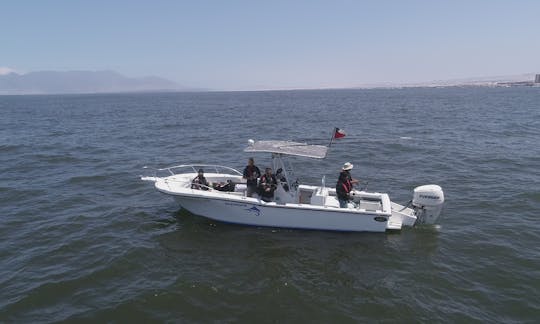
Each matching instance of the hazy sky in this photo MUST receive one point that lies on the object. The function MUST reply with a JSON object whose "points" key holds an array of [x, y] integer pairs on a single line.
{"points": [[274, 44]]}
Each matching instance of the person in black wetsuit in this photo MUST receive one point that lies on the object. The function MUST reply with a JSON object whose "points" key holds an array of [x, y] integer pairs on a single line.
{"points": [[344, 185], [267, 185], [251, 173], [200, 182]]}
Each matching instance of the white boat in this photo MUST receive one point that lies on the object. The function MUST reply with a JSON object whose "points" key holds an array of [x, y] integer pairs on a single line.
{"points": [[294, 205]]}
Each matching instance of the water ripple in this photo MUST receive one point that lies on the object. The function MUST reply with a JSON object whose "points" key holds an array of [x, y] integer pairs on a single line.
{"points": [[84, 239]]}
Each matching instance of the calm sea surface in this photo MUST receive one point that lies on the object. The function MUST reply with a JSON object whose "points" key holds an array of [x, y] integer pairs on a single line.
{"points": [[82, 238]]}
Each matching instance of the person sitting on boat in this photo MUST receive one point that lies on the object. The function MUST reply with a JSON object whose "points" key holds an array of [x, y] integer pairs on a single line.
{"points": [[200, 182], [251, 174], [345, 184], [227, 186], [267, 185]]}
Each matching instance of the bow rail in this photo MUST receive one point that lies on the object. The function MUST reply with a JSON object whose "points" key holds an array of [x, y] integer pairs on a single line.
{"points": [[184, 168]]}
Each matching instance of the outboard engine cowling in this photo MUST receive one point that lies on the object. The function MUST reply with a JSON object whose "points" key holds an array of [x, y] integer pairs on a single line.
{"points": [[427, 203]]}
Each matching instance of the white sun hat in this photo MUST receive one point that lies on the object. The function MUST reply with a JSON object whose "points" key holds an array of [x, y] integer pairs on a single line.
{"points": [[347, 166]]}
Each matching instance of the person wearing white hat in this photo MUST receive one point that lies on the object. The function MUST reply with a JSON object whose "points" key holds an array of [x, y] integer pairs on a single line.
{"points": [[344, 185]]}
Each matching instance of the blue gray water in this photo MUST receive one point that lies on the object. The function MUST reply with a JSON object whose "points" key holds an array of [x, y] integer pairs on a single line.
{"points": [[81, 238]]}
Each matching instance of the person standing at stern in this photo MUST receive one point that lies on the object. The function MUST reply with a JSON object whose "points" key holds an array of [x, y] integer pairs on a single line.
{"points": [[345, 184]]}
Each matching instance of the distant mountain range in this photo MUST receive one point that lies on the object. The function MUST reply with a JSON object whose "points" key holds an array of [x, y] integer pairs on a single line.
{"points": [[54, 82]]}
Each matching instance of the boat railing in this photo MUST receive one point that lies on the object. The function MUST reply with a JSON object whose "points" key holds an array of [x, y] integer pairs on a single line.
{"points": [[208, 168]]}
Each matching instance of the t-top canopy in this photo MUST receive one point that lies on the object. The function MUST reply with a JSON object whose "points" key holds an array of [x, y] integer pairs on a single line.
{"points": [[288, 148]]}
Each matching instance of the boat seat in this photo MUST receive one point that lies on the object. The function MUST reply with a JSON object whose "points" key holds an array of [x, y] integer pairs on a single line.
{"points": [[331, 201], [240, 187], [370, 205]]}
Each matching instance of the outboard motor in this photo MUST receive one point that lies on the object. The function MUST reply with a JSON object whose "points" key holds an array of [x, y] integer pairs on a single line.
{"points": [[427, 203]]}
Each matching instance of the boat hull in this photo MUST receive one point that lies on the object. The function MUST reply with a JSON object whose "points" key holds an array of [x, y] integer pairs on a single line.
{"points": [[258, 213]]}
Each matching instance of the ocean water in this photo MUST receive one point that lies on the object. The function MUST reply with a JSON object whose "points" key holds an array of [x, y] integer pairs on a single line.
{"points": [[83, 239]]}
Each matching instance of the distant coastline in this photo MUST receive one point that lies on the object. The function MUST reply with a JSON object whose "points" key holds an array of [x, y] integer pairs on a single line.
{"points": [[521, 80], [103, 82]]}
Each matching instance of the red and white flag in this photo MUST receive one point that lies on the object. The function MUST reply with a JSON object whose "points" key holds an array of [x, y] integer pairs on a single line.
{"points": [[338, 133]]}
